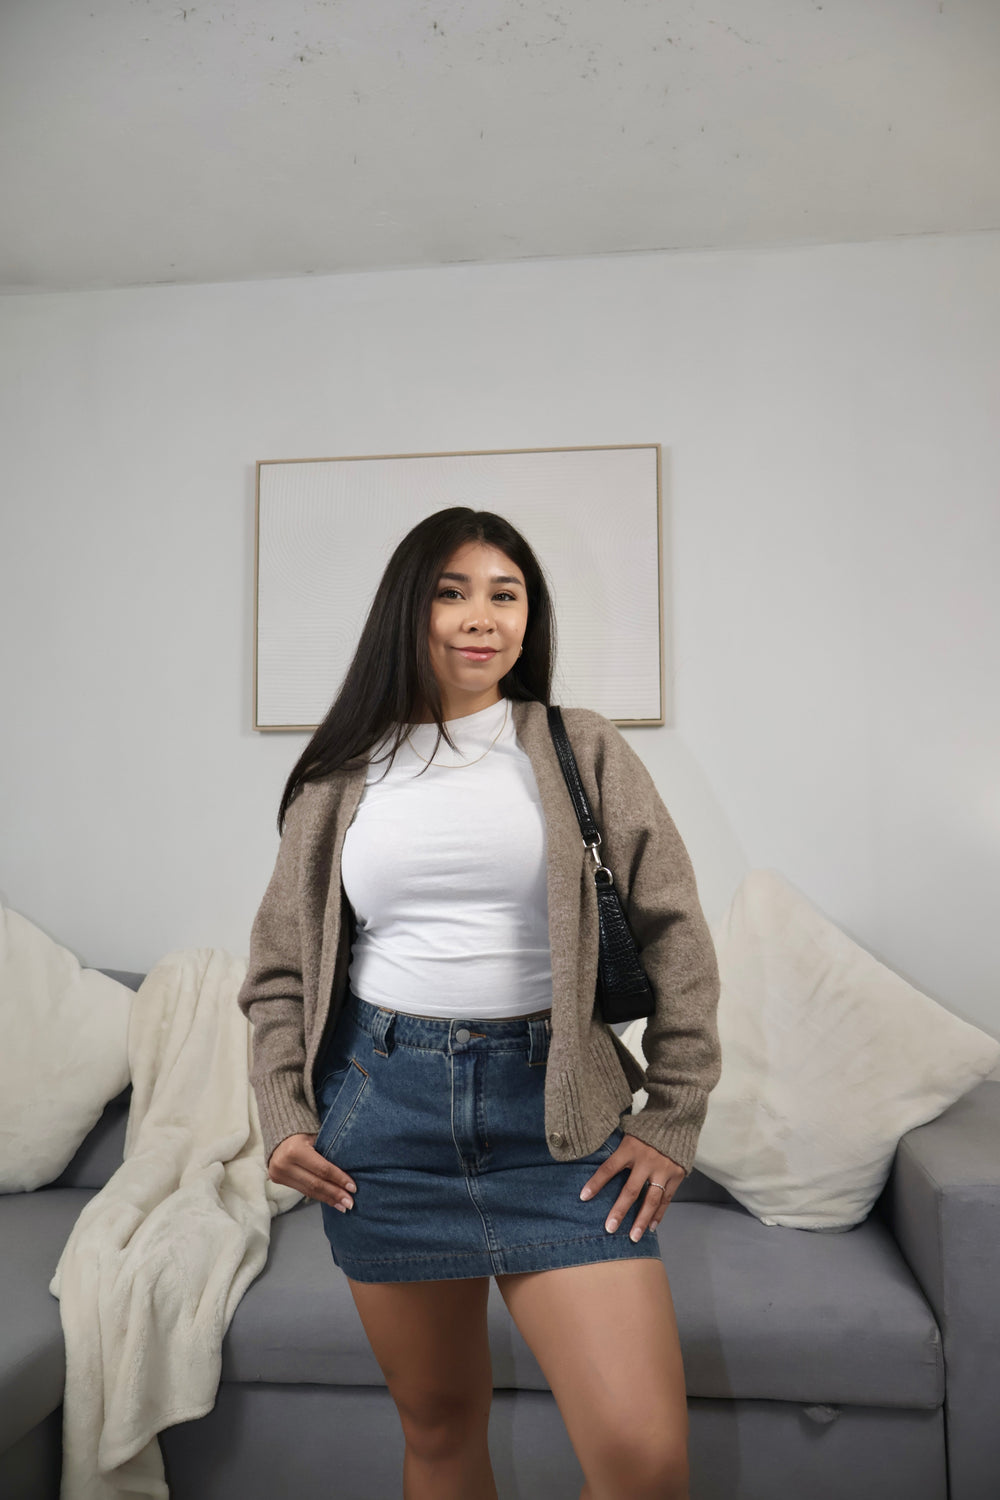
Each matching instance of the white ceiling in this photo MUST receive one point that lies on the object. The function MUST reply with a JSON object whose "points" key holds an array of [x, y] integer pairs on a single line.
{"points": [[147, 141]]}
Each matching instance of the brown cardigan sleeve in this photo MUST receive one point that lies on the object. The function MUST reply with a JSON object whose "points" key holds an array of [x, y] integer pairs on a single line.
{"points": [[271, 996], [656, 882]]}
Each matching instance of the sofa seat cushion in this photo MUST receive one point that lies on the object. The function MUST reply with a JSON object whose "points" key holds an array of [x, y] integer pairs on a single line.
{"points": [[297, 1322], [34, 1227], [781, 1314], [772, 1314]]}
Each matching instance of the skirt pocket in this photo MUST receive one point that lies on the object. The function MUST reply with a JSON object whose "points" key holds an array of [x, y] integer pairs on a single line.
{"points": [[341, 1092]]}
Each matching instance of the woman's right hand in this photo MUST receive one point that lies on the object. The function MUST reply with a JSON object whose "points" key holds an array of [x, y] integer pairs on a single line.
{"points": [[295, 1164]]}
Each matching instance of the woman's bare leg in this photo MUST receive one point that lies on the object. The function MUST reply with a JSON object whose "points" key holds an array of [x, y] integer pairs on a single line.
{"points": [[431, 1343], [605, 1336]]}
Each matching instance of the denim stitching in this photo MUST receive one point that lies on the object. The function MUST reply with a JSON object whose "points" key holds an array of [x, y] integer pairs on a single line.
{"points": [[583, 1239], [515, 1044], [329, 1145]]}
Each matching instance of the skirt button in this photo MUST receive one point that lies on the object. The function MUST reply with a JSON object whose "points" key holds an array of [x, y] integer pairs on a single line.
{"points": [[461, 1035]]}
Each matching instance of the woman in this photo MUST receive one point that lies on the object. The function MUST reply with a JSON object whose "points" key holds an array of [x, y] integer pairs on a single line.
{"points": [[427, 1062]]}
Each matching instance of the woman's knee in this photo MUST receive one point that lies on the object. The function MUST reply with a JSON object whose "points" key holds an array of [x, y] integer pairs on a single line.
{"points": [[430, 1339], [646, 1465], [439, 1422]]}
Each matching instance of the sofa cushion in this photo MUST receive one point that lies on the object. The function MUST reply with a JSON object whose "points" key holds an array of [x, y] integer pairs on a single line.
{"points": [[65, 1052], [695, 1188], [773, 1314], [828, 1058], [34, 1227], [785, 1315], [102, 1151]]}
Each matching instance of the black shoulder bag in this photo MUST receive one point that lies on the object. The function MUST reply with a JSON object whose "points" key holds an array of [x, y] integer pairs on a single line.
{"points": [[623, 990]]}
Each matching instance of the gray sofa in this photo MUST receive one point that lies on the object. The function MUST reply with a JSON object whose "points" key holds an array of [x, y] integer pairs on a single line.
{"points": [[855, 1366]]}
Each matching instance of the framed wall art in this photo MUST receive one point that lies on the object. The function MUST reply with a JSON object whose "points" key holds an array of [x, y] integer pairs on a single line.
{"points": [[326, 527]]}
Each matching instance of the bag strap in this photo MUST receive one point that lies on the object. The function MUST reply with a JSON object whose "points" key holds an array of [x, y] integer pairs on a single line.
{"points": [[623, 991], [571, 775]]}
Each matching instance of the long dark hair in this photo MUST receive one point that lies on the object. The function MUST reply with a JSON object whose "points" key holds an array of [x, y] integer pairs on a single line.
{"points": [[391, 672]]}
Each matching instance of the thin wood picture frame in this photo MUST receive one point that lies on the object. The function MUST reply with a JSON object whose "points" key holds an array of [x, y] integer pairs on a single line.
{"points": [[324, 529]]}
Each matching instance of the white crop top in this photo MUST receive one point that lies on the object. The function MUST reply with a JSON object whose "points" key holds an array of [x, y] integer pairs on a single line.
{"points": [[446, 873]]}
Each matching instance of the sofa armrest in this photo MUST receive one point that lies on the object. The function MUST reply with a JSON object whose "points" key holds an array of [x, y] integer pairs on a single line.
{"points": [[942, 1203]]}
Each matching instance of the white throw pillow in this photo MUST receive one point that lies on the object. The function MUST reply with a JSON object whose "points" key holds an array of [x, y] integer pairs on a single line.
{"points": [[64, 1052], [828, 1058]]}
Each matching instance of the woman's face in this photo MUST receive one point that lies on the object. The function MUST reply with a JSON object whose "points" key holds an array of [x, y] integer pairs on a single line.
{"points": [[478, 619]]}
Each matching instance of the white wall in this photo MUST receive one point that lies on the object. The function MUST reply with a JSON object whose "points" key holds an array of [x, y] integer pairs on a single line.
{"points": [[830, 424]]}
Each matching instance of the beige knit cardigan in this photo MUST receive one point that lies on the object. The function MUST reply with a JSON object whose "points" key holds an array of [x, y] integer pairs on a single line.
{"points": [[300, 946]]}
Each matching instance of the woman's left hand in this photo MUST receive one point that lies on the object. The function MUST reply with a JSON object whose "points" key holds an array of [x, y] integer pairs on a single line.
{"points": [[648, 1166]]}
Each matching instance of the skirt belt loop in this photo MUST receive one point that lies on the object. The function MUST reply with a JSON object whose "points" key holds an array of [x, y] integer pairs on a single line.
{"points": [[538, 1040], [383, 1026]]}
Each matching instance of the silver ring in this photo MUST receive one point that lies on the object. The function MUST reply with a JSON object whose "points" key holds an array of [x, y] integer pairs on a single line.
{"points": [[661, 1185]]}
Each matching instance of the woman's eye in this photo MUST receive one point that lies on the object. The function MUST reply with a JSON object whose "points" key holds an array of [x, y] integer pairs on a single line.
{"points": [[503, 594]]}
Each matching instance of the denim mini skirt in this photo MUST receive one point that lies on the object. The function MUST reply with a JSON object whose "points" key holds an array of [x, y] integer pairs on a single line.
{"points": [[440, 1123]]}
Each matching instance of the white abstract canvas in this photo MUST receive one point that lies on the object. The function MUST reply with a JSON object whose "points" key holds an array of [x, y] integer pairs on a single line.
{"points": [[326, 529]]}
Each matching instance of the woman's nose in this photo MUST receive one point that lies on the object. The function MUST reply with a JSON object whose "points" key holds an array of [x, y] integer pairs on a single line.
{"points": [[479, 619]]}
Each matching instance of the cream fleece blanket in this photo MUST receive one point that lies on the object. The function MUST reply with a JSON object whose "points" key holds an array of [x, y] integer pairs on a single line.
{"points": [[157, 1262]]}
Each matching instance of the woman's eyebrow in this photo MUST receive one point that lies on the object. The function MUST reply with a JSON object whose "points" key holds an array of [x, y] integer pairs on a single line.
{"points": [[495, 578]]}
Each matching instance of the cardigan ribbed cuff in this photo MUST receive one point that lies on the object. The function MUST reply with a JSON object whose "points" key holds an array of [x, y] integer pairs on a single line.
{"points": [[675, 1130], [283, 1110]]}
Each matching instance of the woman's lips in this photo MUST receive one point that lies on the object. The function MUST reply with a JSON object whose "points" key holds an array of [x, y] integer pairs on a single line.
{"points": [[470, 654]]}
